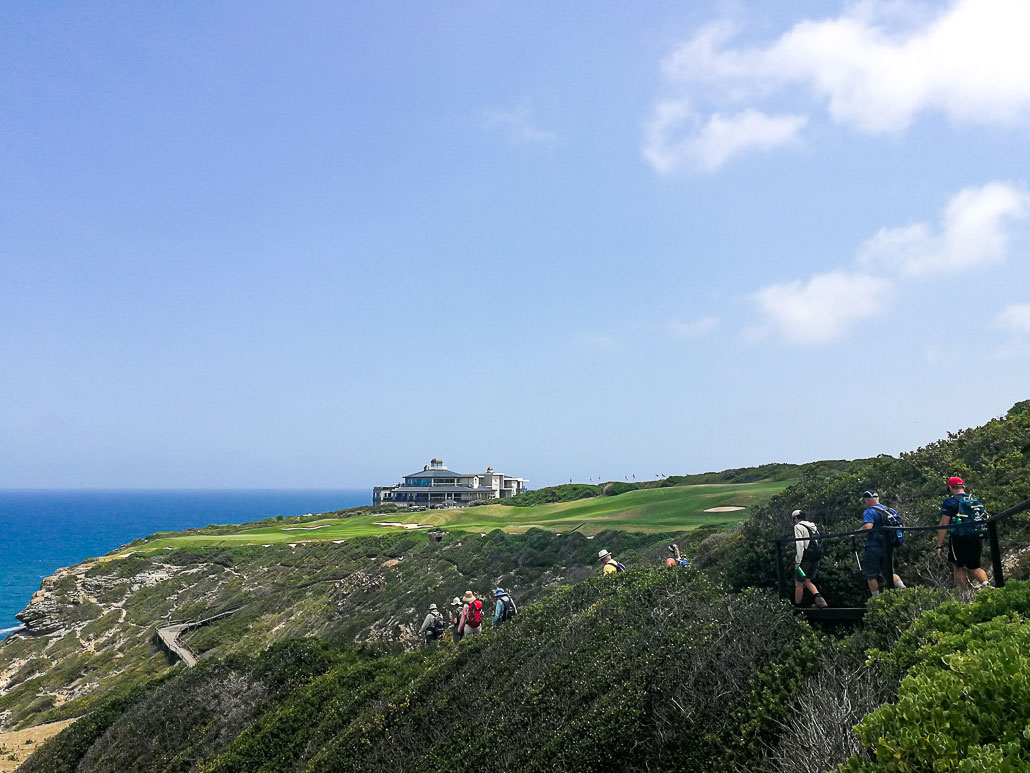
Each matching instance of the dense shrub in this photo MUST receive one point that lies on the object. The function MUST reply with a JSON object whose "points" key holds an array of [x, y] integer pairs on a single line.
{"points": [[964, 701]]}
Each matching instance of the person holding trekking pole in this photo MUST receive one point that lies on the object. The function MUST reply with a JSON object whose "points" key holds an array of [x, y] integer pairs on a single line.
{"points": [[808, 553], [965, 515], [887, 519]]}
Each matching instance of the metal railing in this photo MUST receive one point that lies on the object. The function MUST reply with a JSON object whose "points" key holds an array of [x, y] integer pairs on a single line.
{"points": [[990, 523]]}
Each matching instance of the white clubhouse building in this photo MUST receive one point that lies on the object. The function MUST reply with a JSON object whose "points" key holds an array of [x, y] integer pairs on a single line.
{"points": [[436, 485]]}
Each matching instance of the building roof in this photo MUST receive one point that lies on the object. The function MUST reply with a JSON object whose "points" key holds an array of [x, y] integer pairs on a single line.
{"points": [[439, 474], [439, 489]]}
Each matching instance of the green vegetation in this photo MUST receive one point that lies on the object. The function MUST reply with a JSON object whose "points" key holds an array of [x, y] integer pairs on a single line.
{"points": [[607, 671], [654, 669], [678, 508]]}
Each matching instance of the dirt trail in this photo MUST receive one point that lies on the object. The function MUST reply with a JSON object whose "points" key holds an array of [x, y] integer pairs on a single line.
{"points": [[14, 744]]}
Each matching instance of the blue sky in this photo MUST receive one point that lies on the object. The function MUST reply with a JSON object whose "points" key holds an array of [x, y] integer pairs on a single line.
{"points": [[314, 245]]}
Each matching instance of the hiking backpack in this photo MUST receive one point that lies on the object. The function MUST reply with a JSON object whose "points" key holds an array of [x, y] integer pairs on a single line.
{"points": [[618, 566], [892, 524], [510, 610], [814, 551], [474, 616], [970, 516], [437, 627]]}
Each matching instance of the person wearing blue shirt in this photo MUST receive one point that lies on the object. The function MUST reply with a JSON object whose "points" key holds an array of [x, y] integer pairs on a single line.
{"points": [[963, 550], [504, 608], [875, 551]]}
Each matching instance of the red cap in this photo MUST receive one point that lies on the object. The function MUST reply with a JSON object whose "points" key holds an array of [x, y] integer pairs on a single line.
{"points": [[952, 482]]}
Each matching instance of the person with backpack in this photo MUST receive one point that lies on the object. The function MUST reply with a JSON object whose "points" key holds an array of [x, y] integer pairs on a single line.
{"points": [[455, 618], [433, 626], [808, 553], [611, 566], [882, 523], [471, 620], [504, 607], [965, 515], [676, 559]]}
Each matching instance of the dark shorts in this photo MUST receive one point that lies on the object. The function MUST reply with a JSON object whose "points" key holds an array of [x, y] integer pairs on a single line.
{"points": [[872, 560], [964, 552], [810, 567]]}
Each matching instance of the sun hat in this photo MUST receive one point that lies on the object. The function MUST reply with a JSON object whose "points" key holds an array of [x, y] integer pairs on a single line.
{"points": [[500, 592], [455, 602], [432, 607], [603, 554], [870, 494], [953, 482], [798, 514], [468, 597]]}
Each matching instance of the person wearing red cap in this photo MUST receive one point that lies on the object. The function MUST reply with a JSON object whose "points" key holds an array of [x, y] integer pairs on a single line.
{"points": [[966, 541]]}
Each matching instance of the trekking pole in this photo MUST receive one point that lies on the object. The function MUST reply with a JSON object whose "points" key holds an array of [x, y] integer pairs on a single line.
{"points": [[857, 559]]}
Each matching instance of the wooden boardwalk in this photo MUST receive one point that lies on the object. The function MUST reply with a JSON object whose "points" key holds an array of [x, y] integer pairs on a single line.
{"points": [[169, 637]]}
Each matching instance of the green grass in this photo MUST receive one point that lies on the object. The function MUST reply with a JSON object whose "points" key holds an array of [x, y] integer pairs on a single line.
{"points": [[677, 508]]}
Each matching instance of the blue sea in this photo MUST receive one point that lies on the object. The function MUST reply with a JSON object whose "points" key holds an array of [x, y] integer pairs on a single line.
{"points": [[45, 530]]}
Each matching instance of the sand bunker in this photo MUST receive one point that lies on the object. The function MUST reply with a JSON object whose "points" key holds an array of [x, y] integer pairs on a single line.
{"points": [[304, 528], [399, 525], [723, 509]]}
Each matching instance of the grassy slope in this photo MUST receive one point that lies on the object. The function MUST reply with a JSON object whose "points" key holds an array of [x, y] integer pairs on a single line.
{"points": [[676, 508]]}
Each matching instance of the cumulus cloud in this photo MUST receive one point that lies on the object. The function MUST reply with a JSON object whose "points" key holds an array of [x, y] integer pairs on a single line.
{"points": [[974, 230], [1015, 319], [696, 329], [876, 67], [518, 124], [721, 138], [824, 307]]}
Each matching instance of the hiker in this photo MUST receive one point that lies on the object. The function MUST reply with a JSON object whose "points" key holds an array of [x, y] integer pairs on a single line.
{"points": [[965, 513], [455, 618], [504, 608], [433, 626], [808, 553], [875, 553], [471, 615], [676, 558], [611, 566]]}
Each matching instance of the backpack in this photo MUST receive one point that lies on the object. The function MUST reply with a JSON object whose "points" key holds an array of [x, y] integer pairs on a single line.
{"points": [[814, 551], [970, 516], [474, 616], [436, 628], [890, 519], [510, 610], [618, 566]]}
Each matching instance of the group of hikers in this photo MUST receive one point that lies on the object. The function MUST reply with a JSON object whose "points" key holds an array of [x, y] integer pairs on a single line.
{"points": [[465, 616], [962, 518]]}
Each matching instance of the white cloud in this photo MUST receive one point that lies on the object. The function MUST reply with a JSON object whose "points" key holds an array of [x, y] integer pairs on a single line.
{"points": [[974, 231], [876, 67], [826, 306], [696, 329], [518, 124], [719, 140], [1015, 319]]}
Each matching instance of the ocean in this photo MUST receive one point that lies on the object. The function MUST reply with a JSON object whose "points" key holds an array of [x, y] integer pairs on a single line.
{"points": [[45, 530]]}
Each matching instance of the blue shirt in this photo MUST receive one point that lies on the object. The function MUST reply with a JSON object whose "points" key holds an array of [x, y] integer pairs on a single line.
{"points": [[875, 517]]}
